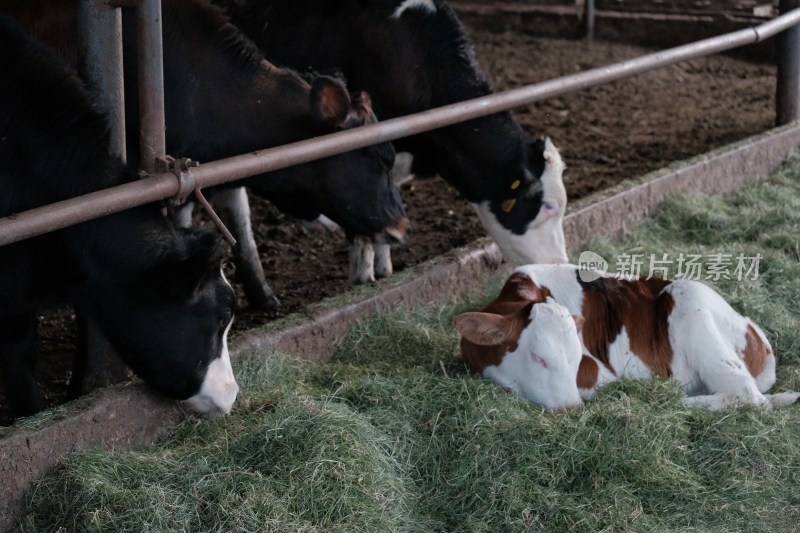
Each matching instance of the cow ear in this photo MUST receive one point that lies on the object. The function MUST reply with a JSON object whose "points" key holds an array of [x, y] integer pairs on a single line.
{"points": [[330, 101], [521, 287], [187, 270], [362, 104], [579, 320], [483, 329]]}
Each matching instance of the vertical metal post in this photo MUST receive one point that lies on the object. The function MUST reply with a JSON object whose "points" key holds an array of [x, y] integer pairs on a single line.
{"points": [[588, 18], [100, 52], [151, 85], [787, 94]]}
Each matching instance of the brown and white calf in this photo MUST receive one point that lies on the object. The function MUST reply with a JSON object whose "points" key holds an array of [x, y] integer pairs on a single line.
{"points": [[555, 338]]}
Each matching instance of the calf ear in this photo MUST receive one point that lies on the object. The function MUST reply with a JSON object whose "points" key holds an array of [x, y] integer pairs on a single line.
{"points": [[520, 287], [484, 329], [330, 101], [185, 272]]}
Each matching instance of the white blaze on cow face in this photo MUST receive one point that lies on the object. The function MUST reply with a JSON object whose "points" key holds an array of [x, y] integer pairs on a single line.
{"points": [[219, 388], [423, 5], [544, 240]]}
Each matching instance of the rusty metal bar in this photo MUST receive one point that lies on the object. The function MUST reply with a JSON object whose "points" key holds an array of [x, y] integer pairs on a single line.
{"points": [[152, 138], [158, 187], [787, 92], [100, 53]]}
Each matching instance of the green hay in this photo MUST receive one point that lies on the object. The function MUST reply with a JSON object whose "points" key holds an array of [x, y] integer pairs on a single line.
{"points": [[395, 435]]}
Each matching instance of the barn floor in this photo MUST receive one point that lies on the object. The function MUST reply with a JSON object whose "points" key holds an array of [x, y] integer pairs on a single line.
{"points": [[606, 135]]}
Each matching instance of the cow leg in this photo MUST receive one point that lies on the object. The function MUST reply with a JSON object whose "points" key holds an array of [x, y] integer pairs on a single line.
{"points": [[18, 354], [234, 210], [780, 399], [362, 260], [383, 260], [718, 367], [401, 171], [96, 362]]}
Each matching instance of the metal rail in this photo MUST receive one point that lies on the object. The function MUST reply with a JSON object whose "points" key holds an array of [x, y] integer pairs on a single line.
{"points": [[158, 187], [787, 103], [100, 53]]}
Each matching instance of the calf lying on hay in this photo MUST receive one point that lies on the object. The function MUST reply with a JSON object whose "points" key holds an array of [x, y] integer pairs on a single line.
{"points": [[555, 337]]}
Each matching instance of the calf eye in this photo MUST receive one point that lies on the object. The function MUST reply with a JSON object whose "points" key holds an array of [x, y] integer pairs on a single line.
{"points": [[538, 360]]}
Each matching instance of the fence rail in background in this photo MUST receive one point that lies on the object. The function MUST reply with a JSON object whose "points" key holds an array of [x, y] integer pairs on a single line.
{"points": [[161, 186]]}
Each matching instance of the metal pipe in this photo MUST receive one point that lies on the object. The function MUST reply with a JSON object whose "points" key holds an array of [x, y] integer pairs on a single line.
{"points": [[152, 137], [158, 187], [787, 89], [100, 53], [588, 18], [100, 60]]}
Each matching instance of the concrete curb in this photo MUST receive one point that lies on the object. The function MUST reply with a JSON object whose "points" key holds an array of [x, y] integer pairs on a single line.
{"points": [[129, 417]]}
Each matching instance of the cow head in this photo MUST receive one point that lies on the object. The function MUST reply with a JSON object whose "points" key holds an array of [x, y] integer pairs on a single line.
{"points": [[354, 189], [169, 321], [525, 342], [527, 221]]}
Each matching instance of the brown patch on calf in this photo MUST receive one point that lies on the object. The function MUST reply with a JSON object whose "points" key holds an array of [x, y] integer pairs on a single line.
{"points": [[638, 305], [479, 356], [518, 289], [514, 303], [756, 351], [588, 372]]}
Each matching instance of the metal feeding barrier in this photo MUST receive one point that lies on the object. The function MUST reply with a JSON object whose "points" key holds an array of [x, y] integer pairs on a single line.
{"points": [[164, 184]]}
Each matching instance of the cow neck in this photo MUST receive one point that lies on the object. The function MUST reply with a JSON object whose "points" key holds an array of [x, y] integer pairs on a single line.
{"points": [[410, 64], [640, 307], [482, 157], [222, 97]]}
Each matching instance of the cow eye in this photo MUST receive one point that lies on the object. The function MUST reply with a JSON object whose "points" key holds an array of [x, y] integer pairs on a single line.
{"points": [[225, 318]]}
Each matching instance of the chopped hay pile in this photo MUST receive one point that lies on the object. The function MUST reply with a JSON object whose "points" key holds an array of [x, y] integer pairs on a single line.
{"points": [[395, 435]]}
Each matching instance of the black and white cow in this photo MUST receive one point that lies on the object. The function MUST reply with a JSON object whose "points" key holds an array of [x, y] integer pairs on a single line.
{"points": [[413, 55], [156, 292], [223, 99]]}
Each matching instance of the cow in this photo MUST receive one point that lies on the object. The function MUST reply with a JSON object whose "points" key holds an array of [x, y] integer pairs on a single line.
{"points": [[222, 98], [413, 55], [557, 332], [157, 292]]}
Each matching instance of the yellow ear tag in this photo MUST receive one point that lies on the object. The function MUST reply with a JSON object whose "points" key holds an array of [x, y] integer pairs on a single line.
{"points": [[508, 204], [515, 184]]}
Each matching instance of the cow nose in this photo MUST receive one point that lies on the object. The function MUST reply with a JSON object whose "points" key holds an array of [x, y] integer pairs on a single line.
{"points": [[399, 232]]}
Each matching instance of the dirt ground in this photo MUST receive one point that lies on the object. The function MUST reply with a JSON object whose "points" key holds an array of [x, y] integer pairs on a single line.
{"points": [[605, 135]]}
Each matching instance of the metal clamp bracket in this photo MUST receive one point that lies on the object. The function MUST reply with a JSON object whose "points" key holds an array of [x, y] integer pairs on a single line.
{"points": [[187, 184]]}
